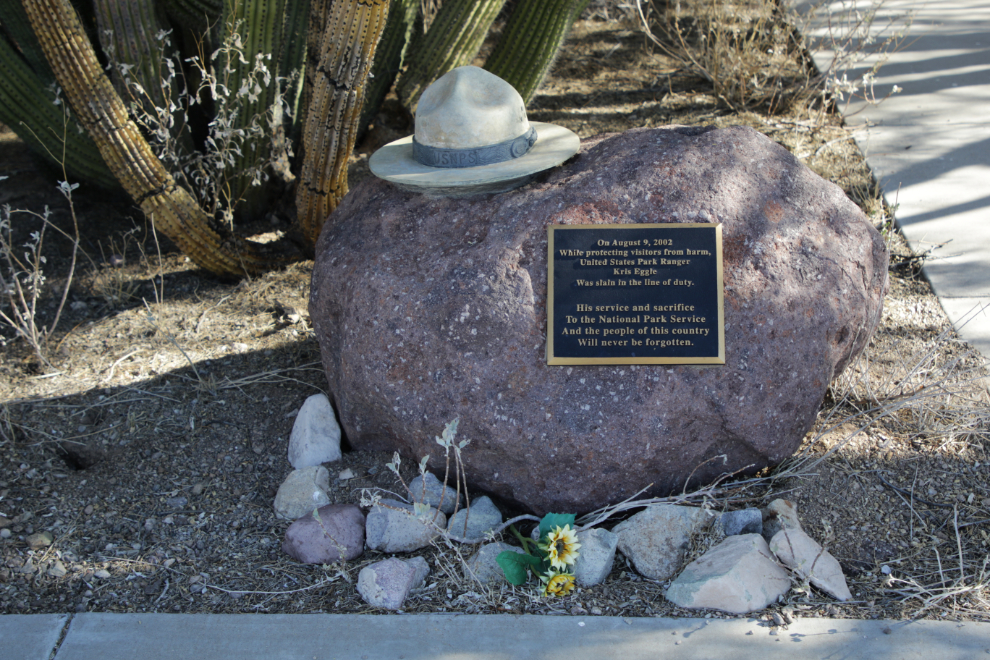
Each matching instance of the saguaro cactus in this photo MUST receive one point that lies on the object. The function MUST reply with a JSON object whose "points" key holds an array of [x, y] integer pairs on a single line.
{"points": [[173, 210], [453, 39], [353, 28], [27, 103], [531, 41]]}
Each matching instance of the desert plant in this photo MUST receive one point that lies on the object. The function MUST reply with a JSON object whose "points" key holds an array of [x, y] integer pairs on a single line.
{"points": [[208, 110], [22, 276], [756, 57]]}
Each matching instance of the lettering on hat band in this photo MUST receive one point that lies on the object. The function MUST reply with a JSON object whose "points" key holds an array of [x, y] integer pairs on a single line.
{"points": [[477, 156]]}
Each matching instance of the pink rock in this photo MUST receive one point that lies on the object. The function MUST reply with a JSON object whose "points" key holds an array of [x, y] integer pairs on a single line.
{"points": [[738, 575], [386, 583], [339, 534], [802, 554], [427, 309]]}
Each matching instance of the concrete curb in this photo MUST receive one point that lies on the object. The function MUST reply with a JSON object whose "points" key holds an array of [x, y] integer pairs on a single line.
{"points": [[94, 636]]}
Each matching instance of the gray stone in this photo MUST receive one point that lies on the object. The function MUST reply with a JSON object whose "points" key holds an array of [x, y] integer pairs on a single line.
{"points": [[339, 534], [40, 540], [386, 583], [778, 515], [438, 306], [483, 567], [392, 526], [315, 437], [302, 491], [802, 554], [655, 539], [595, 556], [436, 494], [483, 516], [738, 575], [743, 521]]}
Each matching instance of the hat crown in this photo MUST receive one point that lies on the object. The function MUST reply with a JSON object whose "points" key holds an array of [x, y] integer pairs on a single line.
{"points": [[468, 108]]}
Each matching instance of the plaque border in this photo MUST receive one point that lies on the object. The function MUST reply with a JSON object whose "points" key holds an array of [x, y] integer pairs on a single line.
{"points": [[553, 360]]}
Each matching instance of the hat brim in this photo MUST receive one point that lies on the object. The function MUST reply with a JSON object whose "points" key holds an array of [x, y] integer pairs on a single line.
{"points": [[395, 163]]}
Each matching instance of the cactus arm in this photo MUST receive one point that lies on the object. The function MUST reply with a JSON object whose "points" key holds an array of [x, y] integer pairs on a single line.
{"points": [[27, 105], [352, 31], [532, 39], [455, 36], [388, 58], [292, 60], [172, 209], [195, 15]]}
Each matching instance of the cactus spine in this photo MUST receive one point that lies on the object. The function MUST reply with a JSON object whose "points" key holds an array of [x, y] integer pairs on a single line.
{"points": [[455, 36], [534, 35]]}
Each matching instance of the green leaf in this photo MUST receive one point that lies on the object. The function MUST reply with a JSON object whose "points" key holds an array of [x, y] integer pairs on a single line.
{"points": [[553, 520], [514, 565]]}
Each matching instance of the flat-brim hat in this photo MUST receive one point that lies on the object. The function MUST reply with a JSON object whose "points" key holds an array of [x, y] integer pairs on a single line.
{"points": [[471, 137]]}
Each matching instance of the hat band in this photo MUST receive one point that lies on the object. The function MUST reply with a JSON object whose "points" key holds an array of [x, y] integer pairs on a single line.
{"points": [[476, 156]]}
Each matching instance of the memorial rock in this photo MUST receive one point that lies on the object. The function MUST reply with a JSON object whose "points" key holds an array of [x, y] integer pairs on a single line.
{"points": [[427, 309]]}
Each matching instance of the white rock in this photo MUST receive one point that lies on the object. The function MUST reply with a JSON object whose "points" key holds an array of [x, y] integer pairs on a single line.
{"points": [[315, 437], [386, 583], [483, 565], [655, 539], [802, 554], [738, 575], [301, 492], [595, 556], [778, 515], [391, 526], [433, 493], [484, 515]]}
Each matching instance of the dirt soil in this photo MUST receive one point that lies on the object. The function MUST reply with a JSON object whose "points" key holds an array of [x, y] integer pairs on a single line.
{"points": [[153, 451]]}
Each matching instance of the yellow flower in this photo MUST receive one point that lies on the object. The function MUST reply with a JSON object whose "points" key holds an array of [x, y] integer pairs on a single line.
{"points": [[561, 547], [558, 584]]}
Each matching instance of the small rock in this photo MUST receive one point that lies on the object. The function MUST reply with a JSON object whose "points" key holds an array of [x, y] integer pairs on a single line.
{"points": [[596, 611], [886, 570], [483, 516], [346, 475], [744, 521], [386, 583], [738, 575], [802, 554], [57, 569], [88, 510], [483, 565], [40, 540], [197, 489], [302, 491], [778, 620], [315, 437], [5, 533], [177, 502], [433, 493], [422, 572], [391, 526], [339, 533], [655, 539], [577, 610], [595, 556], [5, 522], [778, 515], [102, 574]]}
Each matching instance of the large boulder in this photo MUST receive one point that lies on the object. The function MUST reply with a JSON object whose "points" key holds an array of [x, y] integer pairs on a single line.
{"points": [[427, 309]]}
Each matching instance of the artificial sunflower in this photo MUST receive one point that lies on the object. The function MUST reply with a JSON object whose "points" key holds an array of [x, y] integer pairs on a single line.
{"points": [[561, 547], [558, 584]]}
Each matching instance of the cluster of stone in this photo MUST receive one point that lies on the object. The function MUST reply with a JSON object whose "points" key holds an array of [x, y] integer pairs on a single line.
{"points": [[748, 569], [761, 553]]}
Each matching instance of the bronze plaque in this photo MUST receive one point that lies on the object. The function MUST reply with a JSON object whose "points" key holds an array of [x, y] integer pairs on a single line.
{"points": [[635, 294]]}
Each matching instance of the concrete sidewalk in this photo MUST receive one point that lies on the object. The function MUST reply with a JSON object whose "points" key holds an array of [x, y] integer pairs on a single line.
{"points": [[929, 145], [477, 637]]}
